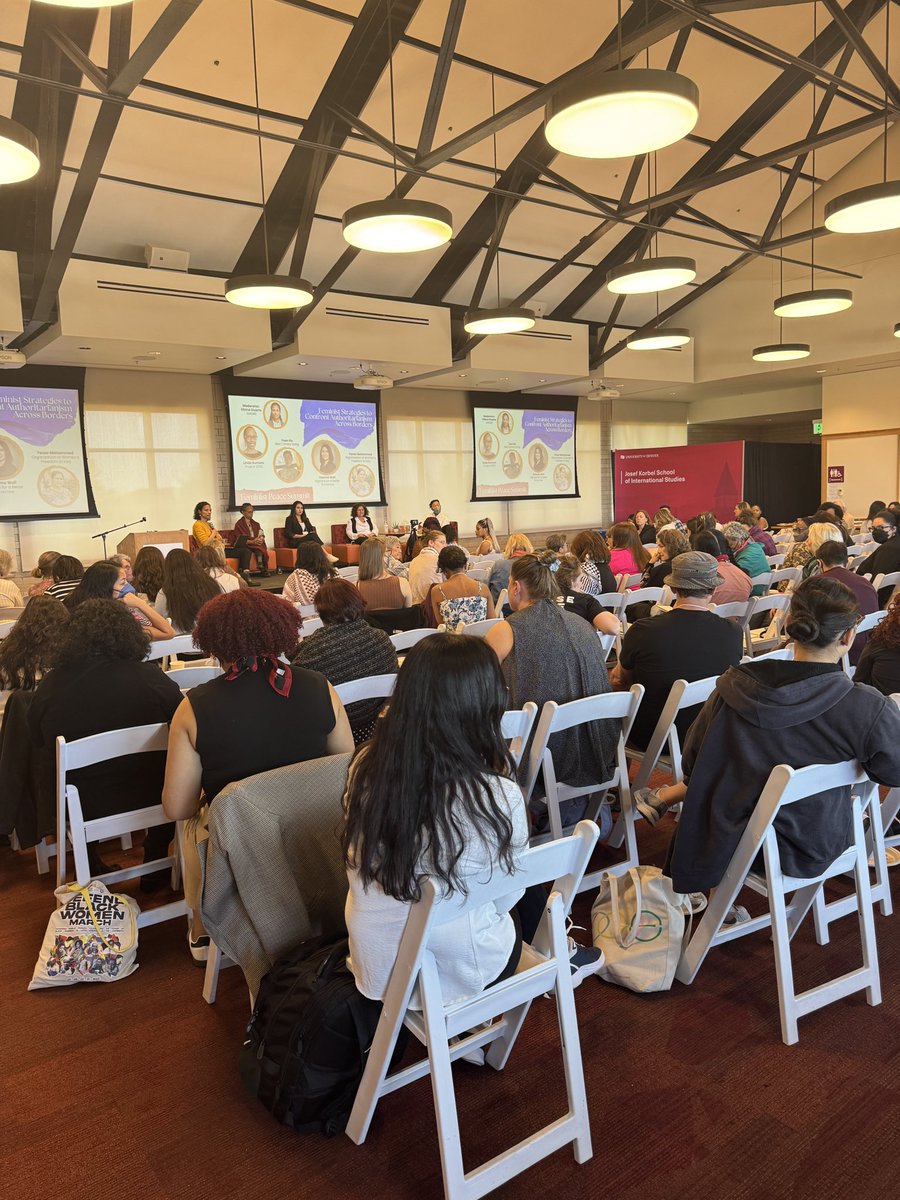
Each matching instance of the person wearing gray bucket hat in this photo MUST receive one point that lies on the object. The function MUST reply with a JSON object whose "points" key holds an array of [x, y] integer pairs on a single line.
{"points": [[689, 642]]}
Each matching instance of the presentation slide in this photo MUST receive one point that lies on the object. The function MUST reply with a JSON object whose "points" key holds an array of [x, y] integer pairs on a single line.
{"points": [[524, 453], [43, 472], [689, 479], [318, 451]]}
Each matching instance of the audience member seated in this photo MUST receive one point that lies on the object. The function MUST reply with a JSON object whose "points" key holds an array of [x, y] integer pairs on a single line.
{"points": [[709, 524], [347, 647], [669, 544], [10, 596], [557, 542], [592, 553], [798, 553], [43, 573], [186, 587], [886, 559], [748, 520], [434, 793], [211, 559], [378, 587], [747, 554], [418, 538], [820, 532], [103, 581], [547, 653], [311, 571], [29, 649], [875, 508], [248, 532], [664, 518], [837, 513], [459, 598], [204, 532], [645, 527], [517, 544], [758, 519], [832, 558], [423, 570], [735, 585], [567, 570], [879, 662], [260, 714], [67, 572], [627, 555], [801, 712], [126, 574], [148, 572], [100, 682], [298, 529], [484, 529], [360, 526], [393, 557], [689, 642]]}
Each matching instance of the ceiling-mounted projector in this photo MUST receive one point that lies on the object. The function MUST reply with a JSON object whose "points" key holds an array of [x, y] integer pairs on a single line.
{"points": [[371, 382], [603, 393], [11, 359]]}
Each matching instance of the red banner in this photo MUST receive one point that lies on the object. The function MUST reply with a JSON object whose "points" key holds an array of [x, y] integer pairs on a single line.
{"points": [[689, 479]]}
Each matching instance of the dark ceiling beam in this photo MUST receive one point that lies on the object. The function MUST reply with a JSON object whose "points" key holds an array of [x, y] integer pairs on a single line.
{"points": [[440, 77], [710, 167], [505, 208], [748, 243], [373, 136], [291, 204], [637, 36], [863, 49], [79, 59], [126, 73]]}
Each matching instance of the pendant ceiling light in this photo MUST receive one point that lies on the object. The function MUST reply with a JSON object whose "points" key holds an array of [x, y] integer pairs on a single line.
{"points": [[485, 321], [656, 338], [19, 158], [876, 207], [781, 352], [897, 330], [265, 290], [85, 3], [396, 225], [651, 275]]}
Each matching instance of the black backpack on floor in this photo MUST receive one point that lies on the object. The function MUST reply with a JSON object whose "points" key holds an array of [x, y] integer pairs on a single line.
{"points": [[307, 1041]]}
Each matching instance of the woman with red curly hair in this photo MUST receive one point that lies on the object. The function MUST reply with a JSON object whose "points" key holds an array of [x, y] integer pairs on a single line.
{"points": [[261, 713], [879, 663]]}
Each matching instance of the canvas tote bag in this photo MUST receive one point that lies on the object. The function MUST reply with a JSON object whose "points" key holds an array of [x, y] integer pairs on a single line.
{"points": [[640, 923], [92, 937]]}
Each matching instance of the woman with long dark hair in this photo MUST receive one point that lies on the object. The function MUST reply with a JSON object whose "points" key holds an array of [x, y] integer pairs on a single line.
{"points": [[148, 571], [444, 804], [627, 553], [593, 553], [103, 581], [185, 589], [311, 571], [879, 663], [298, 529], [30, 648]]}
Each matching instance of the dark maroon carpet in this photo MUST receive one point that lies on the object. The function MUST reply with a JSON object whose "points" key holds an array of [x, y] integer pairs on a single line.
{"points": [[129, 1091]]}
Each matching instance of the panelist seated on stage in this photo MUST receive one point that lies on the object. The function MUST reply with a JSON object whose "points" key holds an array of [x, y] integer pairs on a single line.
{"points": [[360, 526], [248, 532], [204, 531], [298, 529]]}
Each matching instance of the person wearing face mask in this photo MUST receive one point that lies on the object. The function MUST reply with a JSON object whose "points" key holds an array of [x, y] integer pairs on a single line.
{"points": [[886, 559], [798, 554]]}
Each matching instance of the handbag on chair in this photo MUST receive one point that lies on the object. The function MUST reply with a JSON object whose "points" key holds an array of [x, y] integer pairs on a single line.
{"points": [[640, 923]]}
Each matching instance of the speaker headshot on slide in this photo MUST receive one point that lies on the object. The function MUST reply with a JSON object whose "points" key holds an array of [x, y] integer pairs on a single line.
{"points": [[11, 458], [562, 477], [488, 446], [512, 464], [326, 458], [274, 415], [252, 442], [57, 486], [537, 457], [288, 465], [505, 423], [362, 480]]}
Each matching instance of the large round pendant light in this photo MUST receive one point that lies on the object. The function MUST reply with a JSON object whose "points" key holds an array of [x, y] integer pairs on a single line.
{"points": [[658, 339], [268, 291], [897, 330], [618, 114], [817, 302], [86, 3], [865, 210], [19, 158], [498, 320], [397, 225], [651, 275], [781, 352]]}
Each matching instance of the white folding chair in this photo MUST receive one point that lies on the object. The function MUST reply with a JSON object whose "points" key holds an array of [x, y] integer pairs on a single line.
{"points": [[409, 638], [734, 610], [350, 572], [87, 752], [786, 786], [306, 610], [558, 718], [790, 575], [638, 596], [6, 628], [170, 647], [450, 1030], [502, 599], [769, 637], [480, 628], [858, 538], [762, 580], [663, 751], [373, 687], [607, 641], [515, 725], [890, 580], [786, 652], [856, 551], [614, 602], [310, 625], [480, 571], [866, 625], [775, 560], [624, 582], [190, 677]]}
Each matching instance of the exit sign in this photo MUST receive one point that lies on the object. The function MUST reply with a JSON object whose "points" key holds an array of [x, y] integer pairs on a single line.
{"points": [[817, 427]]}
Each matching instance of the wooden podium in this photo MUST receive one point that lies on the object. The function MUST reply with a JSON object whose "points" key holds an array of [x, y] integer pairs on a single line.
{"points": [[166, 540]]}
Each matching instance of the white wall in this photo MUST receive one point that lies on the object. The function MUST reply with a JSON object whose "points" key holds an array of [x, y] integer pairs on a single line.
{"points": [[863, 404]]}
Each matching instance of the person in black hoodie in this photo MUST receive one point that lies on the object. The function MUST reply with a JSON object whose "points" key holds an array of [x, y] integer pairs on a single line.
{"points": [[801, 712]]}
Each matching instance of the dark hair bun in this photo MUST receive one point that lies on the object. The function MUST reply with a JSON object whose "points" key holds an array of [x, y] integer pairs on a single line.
{"points": [[802, 627], [822, 609]]}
